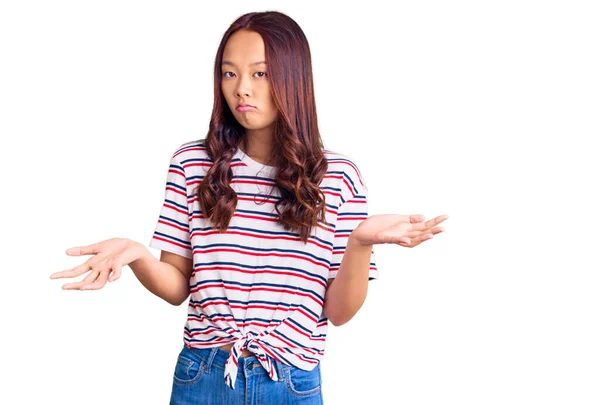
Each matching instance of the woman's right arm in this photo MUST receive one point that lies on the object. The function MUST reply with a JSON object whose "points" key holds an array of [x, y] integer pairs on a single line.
{"points": [[167, 278]]}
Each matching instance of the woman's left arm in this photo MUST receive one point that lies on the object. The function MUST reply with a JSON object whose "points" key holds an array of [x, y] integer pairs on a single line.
{"points": [[348, 290]]}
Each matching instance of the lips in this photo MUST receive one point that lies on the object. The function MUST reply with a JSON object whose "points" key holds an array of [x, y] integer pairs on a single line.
{"points": [[245, 107]]}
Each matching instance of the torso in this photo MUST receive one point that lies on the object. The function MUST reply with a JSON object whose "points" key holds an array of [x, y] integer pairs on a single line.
{"points": [[252, 179]]}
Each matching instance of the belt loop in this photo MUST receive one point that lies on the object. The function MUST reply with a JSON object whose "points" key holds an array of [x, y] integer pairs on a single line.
{"points": [[279, 367], [211, 356]]}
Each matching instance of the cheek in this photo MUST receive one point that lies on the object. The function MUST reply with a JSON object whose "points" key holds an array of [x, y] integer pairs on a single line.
{"points": [[226, 91], [272, 108], [268, 100]]}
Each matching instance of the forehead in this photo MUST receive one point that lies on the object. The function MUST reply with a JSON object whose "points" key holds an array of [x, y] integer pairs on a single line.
{"points": [[243, 48]]}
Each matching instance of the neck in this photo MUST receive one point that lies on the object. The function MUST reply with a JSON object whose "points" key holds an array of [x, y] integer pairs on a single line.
{"points": [[259, 146]]}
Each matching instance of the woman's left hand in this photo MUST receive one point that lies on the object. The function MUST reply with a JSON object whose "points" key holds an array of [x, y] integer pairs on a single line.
{"points": [[404, 230]]}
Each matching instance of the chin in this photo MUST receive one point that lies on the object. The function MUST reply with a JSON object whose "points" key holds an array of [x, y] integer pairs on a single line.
{"points": [[253, 127]]}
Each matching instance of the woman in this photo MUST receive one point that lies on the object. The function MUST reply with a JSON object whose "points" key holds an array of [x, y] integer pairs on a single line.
{"points": [[257, 218]]}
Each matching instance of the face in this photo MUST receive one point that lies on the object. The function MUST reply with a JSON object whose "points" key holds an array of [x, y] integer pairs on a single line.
{"points": [[244, 81]]}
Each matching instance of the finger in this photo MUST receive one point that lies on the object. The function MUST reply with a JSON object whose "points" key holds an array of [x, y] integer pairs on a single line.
{"points": [[393, 238], [90, 278], [419, 227], [74, 272], [422, 238], [73, 286], [423, 226], [433, 222], [84, 250], [405, 243], [439, 219], [433, 231], [116, 273], [417, 218], [99, 283], [436, 230], [412, 234], [394, 234]]}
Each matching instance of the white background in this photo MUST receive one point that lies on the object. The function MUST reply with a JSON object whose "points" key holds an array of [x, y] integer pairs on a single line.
{"points": [[485, 111]]}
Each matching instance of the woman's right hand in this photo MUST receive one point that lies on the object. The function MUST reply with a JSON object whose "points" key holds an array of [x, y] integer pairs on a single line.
{"points": [[109, 255]]}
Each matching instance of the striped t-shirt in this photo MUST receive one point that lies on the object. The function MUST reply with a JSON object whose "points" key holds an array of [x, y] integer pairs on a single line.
{"points": [[257, 285]]}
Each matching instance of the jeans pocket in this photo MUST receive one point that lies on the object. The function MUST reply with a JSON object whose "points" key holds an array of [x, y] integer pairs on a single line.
{"points": [[188, 370], [302, 383]]}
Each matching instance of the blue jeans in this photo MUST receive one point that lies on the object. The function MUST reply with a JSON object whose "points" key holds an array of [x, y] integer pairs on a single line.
{"points": [[198, 379]]}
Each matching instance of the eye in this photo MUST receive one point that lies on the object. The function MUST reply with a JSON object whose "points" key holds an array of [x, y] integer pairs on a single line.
{"points": [[225, 74]]}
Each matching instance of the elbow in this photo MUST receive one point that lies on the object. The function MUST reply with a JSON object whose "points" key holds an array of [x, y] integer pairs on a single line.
{"points": [[339, 316], [338, 321], [343, 315], [178, 300], [341, 312], [173, 302], [176, 303]]}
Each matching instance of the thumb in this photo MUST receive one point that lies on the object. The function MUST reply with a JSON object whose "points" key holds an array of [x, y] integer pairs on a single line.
{"points": [[416, 218], [116, 273]]}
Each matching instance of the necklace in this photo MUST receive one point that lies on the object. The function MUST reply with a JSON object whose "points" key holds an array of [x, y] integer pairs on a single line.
{"points": [[258, 194], [258, 185]]}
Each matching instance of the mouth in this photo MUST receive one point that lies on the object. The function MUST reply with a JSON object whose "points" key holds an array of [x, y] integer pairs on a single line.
{"points": [[245, 107]]}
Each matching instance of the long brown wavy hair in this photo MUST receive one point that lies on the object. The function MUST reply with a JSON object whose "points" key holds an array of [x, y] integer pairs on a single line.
{"points": [[300, 159]]}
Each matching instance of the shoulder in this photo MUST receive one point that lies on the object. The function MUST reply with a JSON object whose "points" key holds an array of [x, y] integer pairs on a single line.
{"points": [[338, 160], [190, 152], [352, 180]]}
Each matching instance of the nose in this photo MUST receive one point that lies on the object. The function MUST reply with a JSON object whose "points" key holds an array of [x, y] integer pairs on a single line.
{"points": [[243, 88], [242, 94]]}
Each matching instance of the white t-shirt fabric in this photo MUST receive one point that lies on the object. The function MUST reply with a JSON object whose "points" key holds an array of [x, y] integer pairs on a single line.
{"points": [[258, 285]]}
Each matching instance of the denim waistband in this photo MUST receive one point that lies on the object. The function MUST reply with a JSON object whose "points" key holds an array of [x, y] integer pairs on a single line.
{"points": [[217, 357]]}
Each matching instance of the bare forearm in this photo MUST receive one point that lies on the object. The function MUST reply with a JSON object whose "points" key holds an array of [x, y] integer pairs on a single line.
{"points": [[348, 291], [161, 279]]}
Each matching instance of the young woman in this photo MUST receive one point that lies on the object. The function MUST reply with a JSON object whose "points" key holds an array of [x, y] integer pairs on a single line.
{"points": [[264, 229]]}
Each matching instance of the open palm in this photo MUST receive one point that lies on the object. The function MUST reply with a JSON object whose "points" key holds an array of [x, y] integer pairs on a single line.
{"points": [[404, 230]]}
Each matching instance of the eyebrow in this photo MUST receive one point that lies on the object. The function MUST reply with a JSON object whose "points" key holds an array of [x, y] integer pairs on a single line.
{"points": [[226, 62]]}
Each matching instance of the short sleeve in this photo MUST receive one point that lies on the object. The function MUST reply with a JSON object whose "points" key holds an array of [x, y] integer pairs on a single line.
{"points": [[351, 212], [172, 232]]}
